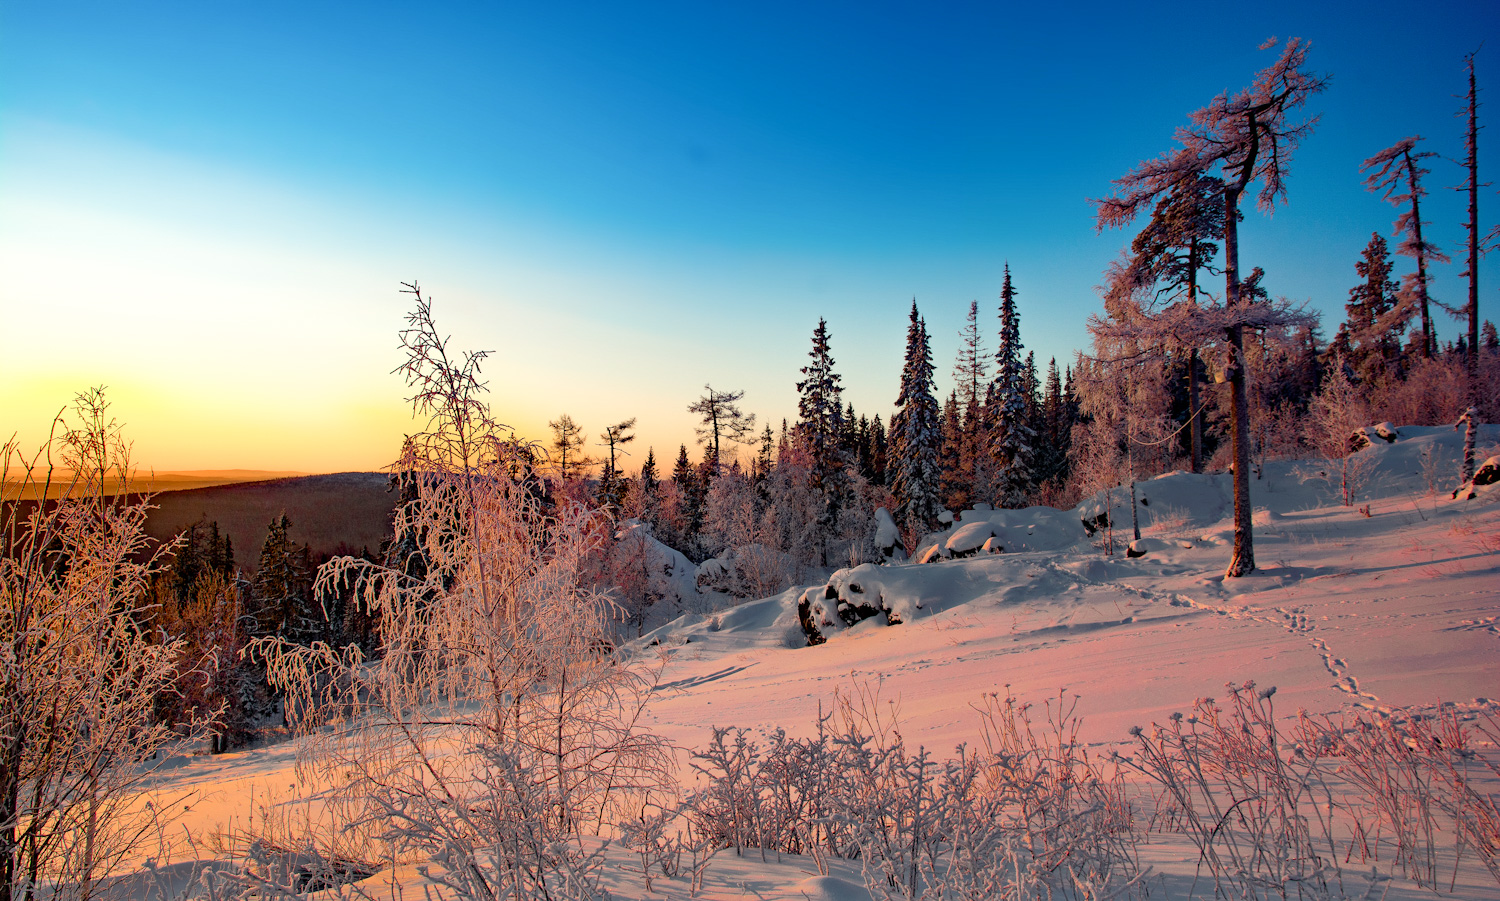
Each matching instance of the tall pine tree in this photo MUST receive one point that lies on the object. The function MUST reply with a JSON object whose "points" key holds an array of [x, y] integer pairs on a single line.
{"points": [[820, 429], [1010, 426], [916, 480]]}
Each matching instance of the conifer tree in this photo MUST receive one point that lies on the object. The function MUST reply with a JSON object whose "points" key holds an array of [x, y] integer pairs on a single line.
{"points": [[1010, 427], [693, 491], [956, 477], [916, 439], [1471, 271], [820, 428], [281, 592], [821, 422], [1388, 169], [722, 420], [611, 485], [879, 456], [648, 477], [1167, 255], [1373, 330], [765, 458], [1054, 429], [567, 449]]}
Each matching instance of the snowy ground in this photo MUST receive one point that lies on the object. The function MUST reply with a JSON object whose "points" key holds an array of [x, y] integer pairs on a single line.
{"points": [[1394, 610]]}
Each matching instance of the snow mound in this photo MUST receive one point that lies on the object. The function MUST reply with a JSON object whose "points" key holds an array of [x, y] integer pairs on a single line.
{"points": [[829, 888]]}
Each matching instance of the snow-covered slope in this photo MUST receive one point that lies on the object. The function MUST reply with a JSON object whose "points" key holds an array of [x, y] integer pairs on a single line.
{"points": [[1388, 608]]}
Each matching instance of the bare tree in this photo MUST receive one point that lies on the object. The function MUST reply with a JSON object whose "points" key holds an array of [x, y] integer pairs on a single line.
{"points": [[1388, 170], [1249, 138], [722, 419]]}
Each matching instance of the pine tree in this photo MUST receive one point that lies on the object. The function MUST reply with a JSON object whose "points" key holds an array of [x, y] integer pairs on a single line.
{"points": [[820, 429], [1010, 428], [281, 592], [1053, 431], [879, 453], [956, 477], [567, 449], [1167, 256], [821, 422], [916, 436], [765, 458], [648, 475], [611, 484], [1373, 329], [722, 420], [693, 491]]}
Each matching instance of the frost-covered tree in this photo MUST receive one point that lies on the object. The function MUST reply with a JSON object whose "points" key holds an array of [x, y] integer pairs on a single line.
{"points": [[1248, 137], [1009, 422], [79, 676], [1167, 256], [916, 436], [722, 420], [495, 730], [1396, 172], [1336, 414]]}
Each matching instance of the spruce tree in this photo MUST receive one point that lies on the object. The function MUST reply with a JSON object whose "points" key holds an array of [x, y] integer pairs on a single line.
{"points": [[820, 429], [821, 423], [916, 439], [281, 592], [879, 453], [1010, 427], [956, 477], [1375, 324]]}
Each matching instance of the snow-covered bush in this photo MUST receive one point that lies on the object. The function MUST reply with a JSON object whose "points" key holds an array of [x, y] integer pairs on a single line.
{"points": [[1028, 815]]}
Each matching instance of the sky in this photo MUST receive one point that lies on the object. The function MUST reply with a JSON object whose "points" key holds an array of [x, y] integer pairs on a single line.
{"points": [[210, 207]]}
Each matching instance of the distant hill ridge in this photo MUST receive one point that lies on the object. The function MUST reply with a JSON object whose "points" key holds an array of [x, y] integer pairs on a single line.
{"points": [[335, 512]]}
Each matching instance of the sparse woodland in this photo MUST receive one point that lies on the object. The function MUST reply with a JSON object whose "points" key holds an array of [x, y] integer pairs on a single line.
{"points": [[462, 700]]}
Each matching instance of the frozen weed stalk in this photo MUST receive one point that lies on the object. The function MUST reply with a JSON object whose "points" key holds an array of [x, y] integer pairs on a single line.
{"points": [[494, 731]]}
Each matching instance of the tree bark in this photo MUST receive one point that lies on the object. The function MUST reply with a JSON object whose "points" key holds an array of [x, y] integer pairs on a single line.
{"points": [[1243, 559], [1472, 164]]}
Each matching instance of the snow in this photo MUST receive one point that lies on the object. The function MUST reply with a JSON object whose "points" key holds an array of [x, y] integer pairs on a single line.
{"points": [[1384, 613]]}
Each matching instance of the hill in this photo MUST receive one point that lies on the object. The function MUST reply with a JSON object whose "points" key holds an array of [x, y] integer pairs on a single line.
{"points": [[329, 513]]}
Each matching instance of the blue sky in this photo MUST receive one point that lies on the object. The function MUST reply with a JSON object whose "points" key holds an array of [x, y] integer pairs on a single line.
{"points": [[208, 206]]}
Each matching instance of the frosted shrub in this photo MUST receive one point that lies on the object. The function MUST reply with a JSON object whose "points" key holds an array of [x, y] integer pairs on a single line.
{"points": [[495, 730], [1029, 816]]}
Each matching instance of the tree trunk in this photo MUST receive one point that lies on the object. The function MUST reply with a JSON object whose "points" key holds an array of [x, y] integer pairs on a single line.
{"points": [[1195, 417], [1429, 337], [1243, 560], [1473, 306], [1196, 423]]}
